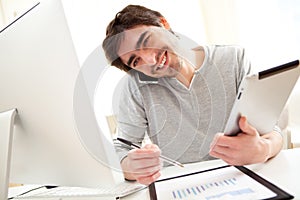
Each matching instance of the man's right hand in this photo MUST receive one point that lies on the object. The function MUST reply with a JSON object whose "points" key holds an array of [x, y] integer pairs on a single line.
{"points": [[143, 165]]}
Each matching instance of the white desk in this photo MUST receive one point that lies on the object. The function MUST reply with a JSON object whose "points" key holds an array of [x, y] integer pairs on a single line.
{"points": [[283, 171]]}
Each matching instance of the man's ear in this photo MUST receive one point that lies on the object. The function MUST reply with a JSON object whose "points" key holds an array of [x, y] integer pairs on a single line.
{"points": [[165, 23]]}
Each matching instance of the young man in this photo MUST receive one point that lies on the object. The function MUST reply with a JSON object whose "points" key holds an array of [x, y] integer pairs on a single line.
{"points": [[185, 108]]}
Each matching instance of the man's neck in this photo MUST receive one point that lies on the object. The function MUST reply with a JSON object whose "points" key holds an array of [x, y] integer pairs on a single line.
{"points": [[189, 66], [186, 74]]}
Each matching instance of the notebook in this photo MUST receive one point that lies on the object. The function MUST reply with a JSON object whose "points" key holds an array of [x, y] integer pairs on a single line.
{"points": [[262, 97]]}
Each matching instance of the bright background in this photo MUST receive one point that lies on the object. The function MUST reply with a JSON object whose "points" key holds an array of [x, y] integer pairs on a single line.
{"points": [[269, 30]]}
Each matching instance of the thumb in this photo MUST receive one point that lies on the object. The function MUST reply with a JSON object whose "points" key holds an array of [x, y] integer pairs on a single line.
{"points": [[246, 127]]}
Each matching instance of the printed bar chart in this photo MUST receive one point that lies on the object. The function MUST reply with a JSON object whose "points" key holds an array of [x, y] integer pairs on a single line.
{"points": [[225, 183], [218, 188]]}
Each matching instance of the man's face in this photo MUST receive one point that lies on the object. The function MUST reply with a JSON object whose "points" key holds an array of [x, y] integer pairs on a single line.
{"points": [[151, 50]]}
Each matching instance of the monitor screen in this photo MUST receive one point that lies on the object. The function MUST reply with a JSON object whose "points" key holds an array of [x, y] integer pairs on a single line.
{"points": [[56, 138]]}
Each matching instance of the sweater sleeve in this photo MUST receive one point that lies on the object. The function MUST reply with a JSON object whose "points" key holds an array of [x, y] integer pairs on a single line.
{"points": [[131, 117]]}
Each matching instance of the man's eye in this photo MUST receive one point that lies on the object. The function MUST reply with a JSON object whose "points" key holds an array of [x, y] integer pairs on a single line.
{"points": [[136, 62]]}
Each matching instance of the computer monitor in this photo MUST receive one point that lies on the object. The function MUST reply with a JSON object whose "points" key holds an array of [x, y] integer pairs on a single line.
{"points": [[56, 138]]}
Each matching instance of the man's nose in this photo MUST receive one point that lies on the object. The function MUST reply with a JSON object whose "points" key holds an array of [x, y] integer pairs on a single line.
{"points": [[149, 57]]}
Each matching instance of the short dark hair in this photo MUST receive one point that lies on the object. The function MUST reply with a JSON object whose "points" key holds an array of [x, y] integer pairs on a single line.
{"points": [[130, 17]]}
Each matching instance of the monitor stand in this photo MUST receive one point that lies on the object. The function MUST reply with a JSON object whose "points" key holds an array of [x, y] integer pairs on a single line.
{"points": [[6, 133]]}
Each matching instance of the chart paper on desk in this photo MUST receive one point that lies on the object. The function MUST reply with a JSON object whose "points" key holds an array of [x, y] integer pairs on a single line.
{"points": [[223, 183]]}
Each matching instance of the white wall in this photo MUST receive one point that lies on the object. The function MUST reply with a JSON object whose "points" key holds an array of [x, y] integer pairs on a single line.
{"points": [[1, 15], [220, 21], [9, 9], [269, 29]]}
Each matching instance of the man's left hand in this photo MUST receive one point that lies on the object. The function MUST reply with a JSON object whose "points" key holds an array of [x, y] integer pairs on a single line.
{"points": [[247, 147]]}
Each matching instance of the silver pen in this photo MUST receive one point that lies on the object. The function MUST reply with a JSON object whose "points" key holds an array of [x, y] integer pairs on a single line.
{"points": [[169, 160]]}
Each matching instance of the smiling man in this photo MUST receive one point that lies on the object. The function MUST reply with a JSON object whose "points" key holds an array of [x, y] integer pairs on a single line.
{"points": [[185, 109], [155, 52]]}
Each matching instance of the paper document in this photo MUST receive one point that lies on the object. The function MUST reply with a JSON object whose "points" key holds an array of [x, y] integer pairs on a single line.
{"points": [[226, 182]]}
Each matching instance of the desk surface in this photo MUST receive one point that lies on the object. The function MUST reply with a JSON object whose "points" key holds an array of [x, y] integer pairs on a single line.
{"points": [[282, 170]]}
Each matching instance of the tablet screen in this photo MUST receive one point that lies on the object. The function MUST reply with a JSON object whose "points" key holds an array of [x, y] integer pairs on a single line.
{"points": [[227, 182]]}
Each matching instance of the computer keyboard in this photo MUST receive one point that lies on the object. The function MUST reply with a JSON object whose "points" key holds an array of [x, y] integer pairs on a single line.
{"points": [[119, 190]]}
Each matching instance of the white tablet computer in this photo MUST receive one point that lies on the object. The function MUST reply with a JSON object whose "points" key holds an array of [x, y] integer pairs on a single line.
{"points": [[262, 97]]}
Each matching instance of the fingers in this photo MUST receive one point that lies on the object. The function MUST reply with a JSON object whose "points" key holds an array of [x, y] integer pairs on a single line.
{"points": [[147, 180], [148, 151], [144, 164], [235, 150], [246, 127], [227, 154]]}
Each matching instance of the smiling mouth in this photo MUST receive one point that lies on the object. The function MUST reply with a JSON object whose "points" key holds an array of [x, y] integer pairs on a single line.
{"points": [[162, 63]]}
